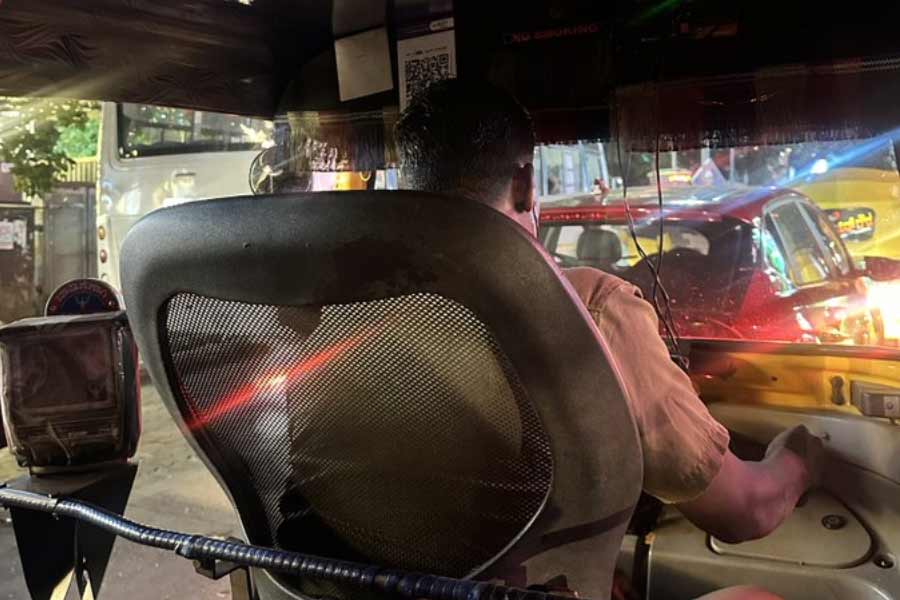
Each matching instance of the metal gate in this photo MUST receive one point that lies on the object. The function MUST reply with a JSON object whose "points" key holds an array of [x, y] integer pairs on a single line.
{"points": [[18, 292], [69, 241]]}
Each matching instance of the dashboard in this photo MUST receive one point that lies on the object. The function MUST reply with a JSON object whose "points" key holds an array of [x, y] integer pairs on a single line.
{"points": [[840, 542]]}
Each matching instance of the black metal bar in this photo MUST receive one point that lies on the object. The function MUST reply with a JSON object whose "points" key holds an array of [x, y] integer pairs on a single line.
{"points": [[198, 547]]}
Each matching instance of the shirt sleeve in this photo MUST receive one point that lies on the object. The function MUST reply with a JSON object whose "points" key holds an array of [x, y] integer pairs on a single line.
{"points": [[683, 444]]}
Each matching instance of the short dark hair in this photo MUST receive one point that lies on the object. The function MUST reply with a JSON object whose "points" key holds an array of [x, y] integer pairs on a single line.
{"points": [[463, 137]]}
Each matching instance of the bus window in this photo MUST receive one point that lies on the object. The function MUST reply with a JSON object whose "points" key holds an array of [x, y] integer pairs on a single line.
{"points": [[146, 130]]}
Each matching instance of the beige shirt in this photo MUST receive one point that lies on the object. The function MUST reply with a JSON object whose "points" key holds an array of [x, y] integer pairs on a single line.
{"points": [[683, 445]]}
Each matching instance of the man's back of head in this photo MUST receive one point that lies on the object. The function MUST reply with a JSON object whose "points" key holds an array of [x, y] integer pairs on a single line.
{"points": [[471, 139]]}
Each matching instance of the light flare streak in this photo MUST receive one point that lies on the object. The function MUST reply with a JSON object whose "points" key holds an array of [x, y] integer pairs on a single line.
{"points": [[275, 378]]}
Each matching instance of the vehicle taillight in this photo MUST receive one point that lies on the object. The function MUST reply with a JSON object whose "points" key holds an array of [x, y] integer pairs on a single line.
{"points": [[883, 298], [835, 323], [807, 330], [759, 295], [763, 314]]}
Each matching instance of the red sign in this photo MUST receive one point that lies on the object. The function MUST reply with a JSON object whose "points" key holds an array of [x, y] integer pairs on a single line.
{"points": [[525, 37], [82, 297]]}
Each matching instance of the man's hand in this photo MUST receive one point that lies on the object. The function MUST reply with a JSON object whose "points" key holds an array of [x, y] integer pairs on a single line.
{"points": [[806, 446], [748, 500]]}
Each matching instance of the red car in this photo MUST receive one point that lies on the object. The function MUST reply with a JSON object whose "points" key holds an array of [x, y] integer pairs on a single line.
{"points": [[737, 262]]}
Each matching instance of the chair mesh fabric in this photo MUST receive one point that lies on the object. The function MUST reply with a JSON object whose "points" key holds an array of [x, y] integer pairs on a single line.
{"points": [[393, 431]]}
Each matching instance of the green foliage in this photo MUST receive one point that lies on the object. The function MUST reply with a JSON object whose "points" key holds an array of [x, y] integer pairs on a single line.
{"points": [[36, 161], [41, 136], [80, 142]]}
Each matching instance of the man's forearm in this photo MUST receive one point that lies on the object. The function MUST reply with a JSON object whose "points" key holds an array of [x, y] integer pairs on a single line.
{"points": [[748, 500]]}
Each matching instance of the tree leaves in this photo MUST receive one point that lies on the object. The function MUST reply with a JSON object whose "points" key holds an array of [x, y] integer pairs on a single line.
{"points": [[31, 132]]}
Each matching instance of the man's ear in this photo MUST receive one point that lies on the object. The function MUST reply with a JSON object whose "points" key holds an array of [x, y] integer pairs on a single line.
{"points": [[523, 188]]}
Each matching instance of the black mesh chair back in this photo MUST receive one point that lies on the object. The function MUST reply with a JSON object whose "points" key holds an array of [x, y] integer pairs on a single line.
{"points": [[388, 377]]}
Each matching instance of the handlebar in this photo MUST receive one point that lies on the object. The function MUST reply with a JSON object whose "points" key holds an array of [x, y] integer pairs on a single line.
{"points": [[197, 547]]}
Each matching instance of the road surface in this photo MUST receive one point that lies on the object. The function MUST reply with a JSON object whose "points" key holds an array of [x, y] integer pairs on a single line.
{"points": [[172, 490]]}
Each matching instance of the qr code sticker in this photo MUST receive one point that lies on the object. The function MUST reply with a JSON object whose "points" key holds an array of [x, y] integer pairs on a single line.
{"points": [[422, 72]]}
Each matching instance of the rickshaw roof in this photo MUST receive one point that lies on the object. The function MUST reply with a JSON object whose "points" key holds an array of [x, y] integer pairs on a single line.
{"points": [[697, 73]]}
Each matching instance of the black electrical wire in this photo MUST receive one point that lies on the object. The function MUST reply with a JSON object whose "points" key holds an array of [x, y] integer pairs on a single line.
{"points": [[660, 243], [197, 547], [664, 315], [668, 320]]}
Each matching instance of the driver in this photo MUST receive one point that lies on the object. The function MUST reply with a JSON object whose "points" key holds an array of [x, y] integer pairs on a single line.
{"points": [[474, 140]]}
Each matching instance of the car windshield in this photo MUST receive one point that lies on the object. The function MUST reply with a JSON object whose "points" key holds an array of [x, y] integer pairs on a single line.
{"points": [[772, 243]]}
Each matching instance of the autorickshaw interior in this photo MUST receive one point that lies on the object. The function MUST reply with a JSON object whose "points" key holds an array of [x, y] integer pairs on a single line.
{"points": [[399, 392]]}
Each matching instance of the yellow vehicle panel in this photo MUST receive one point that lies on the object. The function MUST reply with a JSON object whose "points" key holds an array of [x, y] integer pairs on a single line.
{"points": [[348, 180], [789, 375], [875, 189]]}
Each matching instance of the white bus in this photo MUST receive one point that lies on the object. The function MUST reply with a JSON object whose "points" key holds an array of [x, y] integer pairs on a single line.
{"points": [[153, 156]]}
